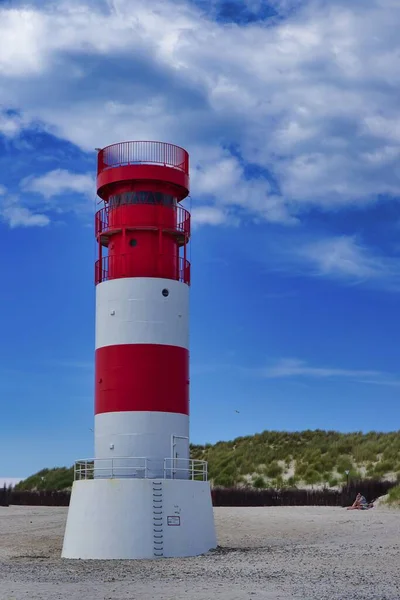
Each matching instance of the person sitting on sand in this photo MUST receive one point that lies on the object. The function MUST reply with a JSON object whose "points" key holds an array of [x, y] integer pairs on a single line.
{"points": [[360, 503]]}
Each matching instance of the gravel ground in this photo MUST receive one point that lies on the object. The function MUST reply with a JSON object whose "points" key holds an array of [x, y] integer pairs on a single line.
{"points": [[305, 553]]}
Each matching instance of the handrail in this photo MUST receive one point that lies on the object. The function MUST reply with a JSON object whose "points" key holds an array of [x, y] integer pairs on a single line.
{"points": [[173, 218], [189, 464], [129, 467], [143, 152], [118, 266]]}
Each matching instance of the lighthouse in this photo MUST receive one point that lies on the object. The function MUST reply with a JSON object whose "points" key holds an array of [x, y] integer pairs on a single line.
{"points": [[141, 495]]}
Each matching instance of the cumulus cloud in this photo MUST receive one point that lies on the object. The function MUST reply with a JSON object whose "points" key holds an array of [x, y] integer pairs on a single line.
{"points": [[19, 216], [310, 100], [222, 177], [59, 182], [10, 124], [25, 210], [43, 198], [15, 214], [208, 215]]}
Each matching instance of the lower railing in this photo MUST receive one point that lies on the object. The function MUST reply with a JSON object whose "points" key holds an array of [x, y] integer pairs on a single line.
{"points": [[118, 266], [140, 468]]}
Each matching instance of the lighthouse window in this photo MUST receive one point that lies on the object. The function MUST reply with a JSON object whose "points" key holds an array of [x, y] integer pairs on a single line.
{"points": [[132, 242], [165, 292], [142, 197]]}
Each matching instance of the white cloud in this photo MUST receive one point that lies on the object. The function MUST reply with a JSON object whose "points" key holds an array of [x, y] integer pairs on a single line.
{"points": [[42, 198], [343, 257], [59, 182], [287, 368], [209, 215], [10, 125], [15, 214], [19, 216], [295, 368], [309, 98], [73, 364], [292, 367], [312, 98], [27, 211], [221, 176]]}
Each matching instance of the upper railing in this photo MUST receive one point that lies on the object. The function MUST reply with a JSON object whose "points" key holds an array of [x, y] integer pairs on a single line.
{"points": [[175, 219], [141, 468], [137, 153]]}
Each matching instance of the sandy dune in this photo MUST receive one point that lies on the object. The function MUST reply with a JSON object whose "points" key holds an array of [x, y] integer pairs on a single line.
{"points": [[275, 553]]}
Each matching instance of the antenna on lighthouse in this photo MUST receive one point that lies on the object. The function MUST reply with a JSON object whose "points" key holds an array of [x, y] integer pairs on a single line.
{"points": [[141, 496]]}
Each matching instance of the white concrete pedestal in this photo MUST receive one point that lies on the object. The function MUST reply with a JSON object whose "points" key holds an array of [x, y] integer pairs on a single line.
{"points": [[139, 518]]}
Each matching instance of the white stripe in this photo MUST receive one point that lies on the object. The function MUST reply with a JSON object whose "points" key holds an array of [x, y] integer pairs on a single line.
{"points": [[115, 519], [141, 434], [133, 310]]}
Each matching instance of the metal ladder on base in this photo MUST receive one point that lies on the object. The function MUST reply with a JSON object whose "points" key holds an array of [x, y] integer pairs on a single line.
{"points": [[158, 537]]}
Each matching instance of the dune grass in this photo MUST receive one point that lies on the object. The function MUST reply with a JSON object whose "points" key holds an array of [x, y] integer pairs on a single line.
{"points": [[393, 498], [311, 458], [280, 460]]}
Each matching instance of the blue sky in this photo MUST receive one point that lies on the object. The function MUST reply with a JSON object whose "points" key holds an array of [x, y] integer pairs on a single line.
{"points": [[290, 113]]}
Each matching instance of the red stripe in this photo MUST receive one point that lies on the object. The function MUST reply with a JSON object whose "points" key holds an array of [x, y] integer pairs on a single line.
{"points": [[142, 377]]}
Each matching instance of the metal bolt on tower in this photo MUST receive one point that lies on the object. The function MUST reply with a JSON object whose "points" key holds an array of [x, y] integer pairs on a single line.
{"points": [[141, 496]]}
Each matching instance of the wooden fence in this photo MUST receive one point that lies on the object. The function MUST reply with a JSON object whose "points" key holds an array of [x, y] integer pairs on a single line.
{"points": [[229, 496], [296, 497]]}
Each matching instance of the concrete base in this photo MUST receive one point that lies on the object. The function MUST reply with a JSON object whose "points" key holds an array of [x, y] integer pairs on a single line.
{"points": [[139, 518]]}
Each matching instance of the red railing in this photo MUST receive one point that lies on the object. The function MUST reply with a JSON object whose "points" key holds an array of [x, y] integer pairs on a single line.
{"points": [[124, 265], [173, 218], [131, 153]]}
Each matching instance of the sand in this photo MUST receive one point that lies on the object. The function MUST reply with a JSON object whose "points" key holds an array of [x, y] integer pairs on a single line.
{"points": [[271, 553]]}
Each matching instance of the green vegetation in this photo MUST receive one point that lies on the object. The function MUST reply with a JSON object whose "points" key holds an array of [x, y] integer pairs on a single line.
{"points": [[307, 458], [279, 459], [393, 498], [60, 478]]}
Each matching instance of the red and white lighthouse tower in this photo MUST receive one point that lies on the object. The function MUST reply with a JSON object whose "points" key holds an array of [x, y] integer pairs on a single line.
{"points": [[141, 496]]}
